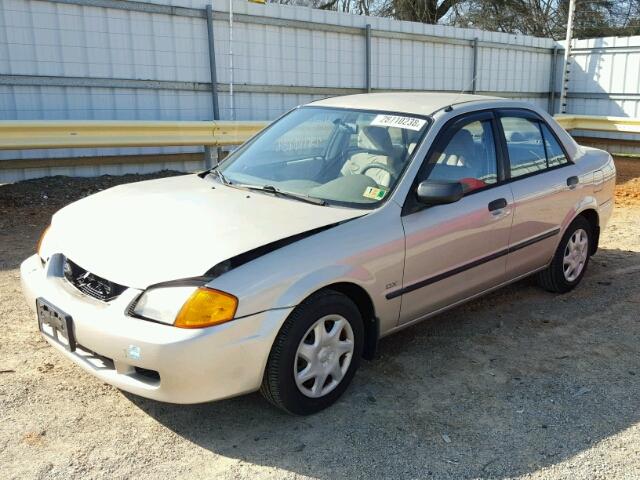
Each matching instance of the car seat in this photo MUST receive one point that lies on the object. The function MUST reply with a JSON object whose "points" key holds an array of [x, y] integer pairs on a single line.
{"points": [[374, 138]]}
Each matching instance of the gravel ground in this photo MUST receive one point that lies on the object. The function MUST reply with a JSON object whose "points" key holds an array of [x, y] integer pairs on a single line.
{"points": [[519, 384]]}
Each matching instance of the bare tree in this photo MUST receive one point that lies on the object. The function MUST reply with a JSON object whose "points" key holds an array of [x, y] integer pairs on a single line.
{"points": [[548, 18], [359, 7], [542, 18], [424, 11]]}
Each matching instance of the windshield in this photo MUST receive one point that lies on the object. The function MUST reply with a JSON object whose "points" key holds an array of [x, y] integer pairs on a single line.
{"points": [[346, 157]]}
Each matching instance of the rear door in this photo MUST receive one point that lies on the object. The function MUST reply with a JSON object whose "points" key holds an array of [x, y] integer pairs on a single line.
{"points": [[456, 250], [545, 187]]}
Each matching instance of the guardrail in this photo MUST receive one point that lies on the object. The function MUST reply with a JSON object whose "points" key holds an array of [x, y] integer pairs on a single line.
{"points": [[27, 134], [599, 124]]}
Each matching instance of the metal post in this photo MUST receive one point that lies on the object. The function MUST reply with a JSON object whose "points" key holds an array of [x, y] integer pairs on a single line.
{"points": [[567, 57], [231, 105], [475, 66], [212, 64], [368, 58], [208, 151], [552, 82]]}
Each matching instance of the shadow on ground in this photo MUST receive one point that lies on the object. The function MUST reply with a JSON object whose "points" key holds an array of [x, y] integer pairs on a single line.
{"points": [[503, 386]]}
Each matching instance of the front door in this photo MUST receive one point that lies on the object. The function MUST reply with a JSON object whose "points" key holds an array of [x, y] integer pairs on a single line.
{"points": [[456, 250]]}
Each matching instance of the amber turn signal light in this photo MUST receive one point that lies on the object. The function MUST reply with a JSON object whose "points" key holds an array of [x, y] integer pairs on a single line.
{"points": [[206, 307], [42, 235]]}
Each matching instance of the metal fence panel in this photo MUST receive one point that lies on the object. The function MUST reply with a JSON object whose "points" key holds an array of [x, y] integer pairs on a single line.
{"points": [[106, 59], [604, 79]]}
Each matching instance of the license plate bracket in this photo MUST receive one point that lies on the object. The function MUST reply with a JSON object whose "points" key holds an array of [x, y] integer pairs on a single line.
{"points": [[61, 323]]}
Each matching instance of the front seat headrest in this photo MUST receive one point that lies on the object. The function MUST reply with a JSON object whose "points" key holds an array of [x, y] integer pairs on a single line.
{"points": [[462, 146], [378, 138]]}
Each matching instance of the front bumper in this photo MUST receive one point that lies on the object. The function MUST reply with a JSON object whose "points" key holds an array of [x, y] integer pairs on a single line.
{"points": [[194, 365]]}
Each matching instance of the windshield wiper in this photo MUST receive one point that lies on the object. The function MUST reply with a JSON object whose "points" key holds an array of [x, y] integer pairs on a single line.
{"points": [[265, 188], [282, 193], [220, 175]]}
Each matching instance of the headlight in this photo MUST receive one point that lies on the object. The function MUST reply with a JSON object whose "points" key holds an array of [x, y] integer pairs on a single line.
{"points": [[186, 307], [162, 304]]}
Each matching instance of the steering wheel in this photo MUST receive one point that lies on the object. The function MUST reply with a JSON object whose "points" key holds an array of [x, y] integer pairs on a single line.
{"points": [[372, 151], [380, 166]]}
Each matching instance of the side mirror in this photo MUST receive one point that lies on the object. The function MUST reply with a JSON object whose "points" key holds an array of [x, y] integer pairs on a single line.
{"points": [[436, 192]]}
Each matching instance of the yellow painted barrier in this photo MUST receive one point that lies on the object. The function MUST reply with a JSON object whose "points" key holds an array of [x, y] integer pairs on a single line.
{"points": [[28, 134], [599, 124], [34, 134]]}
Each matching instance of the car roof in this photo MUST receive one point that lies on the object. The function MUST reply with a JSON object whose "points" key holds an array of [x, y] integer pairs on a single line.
{"points": [[417, 103]]}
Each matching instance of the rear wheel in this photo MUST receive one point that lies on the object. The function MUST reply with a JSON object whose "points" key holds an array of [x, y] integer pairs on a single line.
{"points": [[315, 354], [570, 261]]}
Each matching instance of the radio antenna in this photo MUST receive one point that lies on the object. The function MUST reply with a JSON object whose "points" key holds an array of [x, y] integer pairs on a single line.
{"points": [[464, 90]]}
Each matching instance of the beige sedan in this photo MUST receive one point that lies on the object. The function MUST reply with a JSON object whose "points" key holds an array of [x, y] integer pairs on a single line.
{"points": [[342, 222]]}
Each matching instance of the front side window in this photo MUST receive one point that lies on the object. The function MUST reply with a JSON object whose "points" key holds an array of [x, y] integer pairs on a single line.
{"points": [[348, 157], [469, 157]]}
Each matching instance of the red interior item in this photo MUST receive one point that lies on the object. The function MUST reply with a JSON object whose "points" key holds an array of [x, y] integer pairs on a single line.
{"points": [[472, 183]]}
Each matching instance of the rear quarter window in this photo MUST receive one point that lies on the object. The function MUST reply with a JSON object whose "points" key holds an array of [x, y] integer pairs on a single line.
{"points": [[555, 154]]}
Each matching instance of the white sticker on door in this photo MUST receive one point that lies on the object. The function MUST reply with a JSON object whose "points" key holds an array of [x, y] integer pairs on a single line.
{"points": [[410, 123]]}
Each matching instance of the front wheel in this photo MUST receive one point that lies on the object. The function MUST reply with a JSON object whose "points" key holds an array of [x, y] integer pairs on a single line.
{"points": [[570, 261], [315, 354]]}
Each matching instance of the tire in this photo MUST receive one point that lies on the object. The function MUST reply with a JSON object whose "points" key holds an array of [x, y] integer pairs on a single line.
{"points": [[286, 363], [559, 277]]}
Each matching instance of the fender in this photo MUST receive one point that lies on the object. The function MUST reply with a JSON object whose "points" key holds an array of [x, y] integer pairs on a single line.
{"points": [[319, 279], [284, 277], [588, 202]]}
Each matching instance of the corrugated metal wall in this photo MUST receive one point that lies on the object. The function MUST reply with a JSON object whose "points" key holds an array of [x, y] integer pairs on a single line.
{"points": [[604, 79], [96, 59]]}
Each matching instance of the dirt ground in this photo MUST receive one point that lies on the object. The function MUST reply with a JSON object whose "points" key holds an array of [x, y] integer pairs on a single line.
{"points": [[628, 188], [519, 384]]}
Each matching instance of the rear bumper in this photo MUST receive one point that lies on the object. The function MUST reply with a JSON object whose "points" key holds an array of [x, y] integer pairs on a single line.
{"points": [[604, 213], [194, 366]]}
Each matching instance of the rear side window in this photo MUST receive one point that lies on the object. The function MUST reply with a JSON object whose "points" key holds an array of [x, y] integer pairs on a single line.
{"points": [[555, 154], [525, 145]]}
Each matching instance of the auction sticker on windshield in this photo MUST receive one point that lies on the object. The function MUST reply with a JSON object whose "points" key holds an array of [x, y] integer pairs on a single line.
{"points": [[410, 123], [374, 193]]}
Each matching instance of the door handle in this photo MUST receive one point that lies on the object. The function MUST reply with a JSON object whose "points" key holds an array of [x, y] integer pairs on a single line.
{"points": [[497, 204], [572, 182]]}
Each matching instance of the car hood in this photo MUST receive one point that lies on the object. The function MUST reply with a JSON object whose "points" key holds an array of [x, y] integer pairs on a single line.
{"points": [[159, 230]]}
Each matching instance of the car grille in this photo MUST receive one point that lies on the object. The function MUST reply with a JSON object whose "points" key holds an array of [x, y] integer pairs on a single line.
{"points": [[90, 284]]}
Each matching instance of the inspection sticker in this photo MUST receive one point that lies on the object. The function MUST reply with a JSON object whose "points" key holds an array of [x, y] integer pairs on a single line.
{"points": [[374, 193], [410, 123]]}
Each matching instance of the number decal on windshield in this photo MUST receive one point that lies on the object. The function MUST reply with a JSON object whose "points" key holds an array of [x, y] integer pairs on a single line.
{"points": [[410, 123]]}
